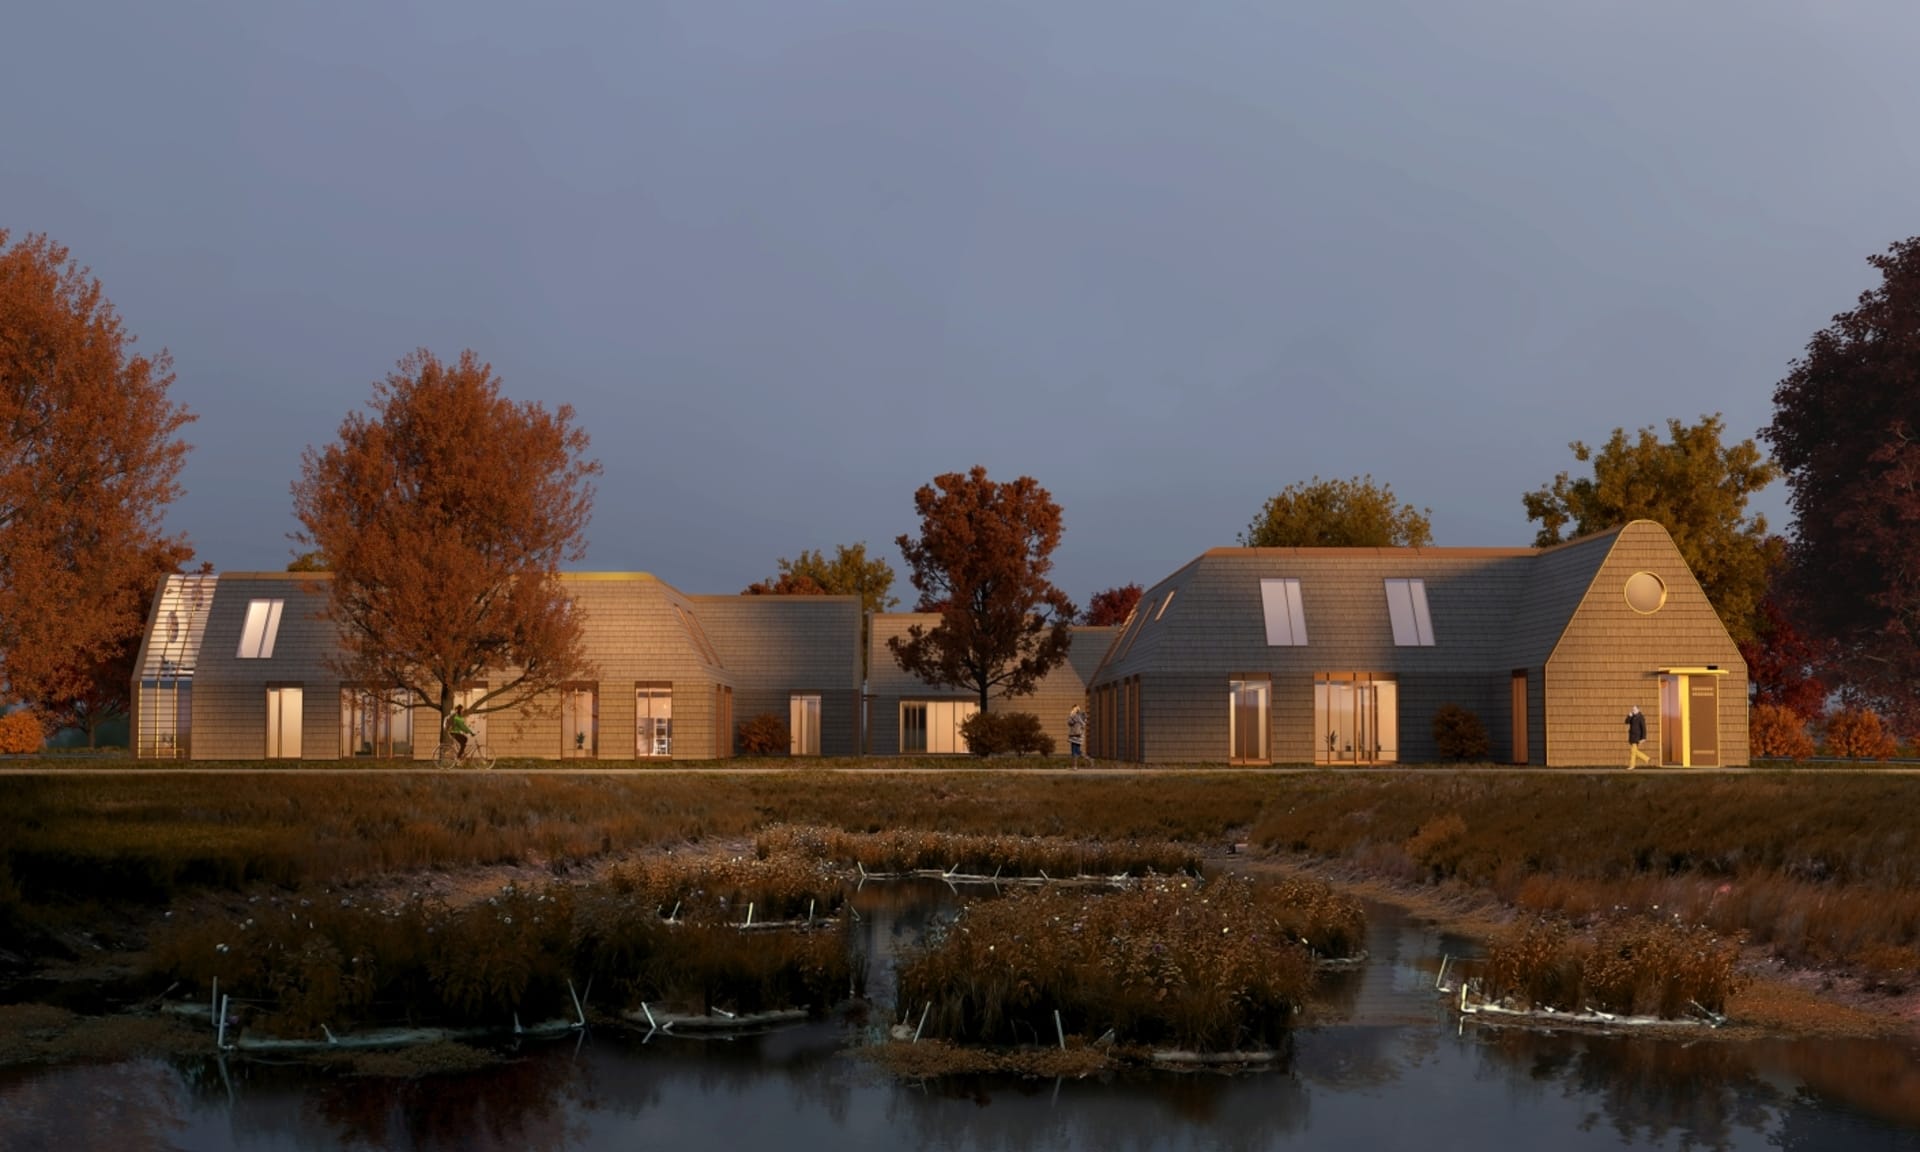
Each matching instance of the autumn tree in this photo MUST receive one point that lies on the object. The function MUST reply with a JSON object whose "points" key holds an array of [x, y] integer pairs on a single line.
{"points": [[99, 687], [1694, 486], [849, 573], [1111, 606], [90, 459], [1783, 665], [1356, 513], [1846, 431], [444, 514], [982, 558]]}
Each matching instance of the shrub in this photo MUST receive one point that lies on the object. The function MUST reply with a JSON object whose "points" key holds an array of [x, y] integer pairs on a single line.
{"points": [[1779, 733], [21, 732], [1439, 845], [1856, 733], [992, 733], [1458, 733], [765, 735]]}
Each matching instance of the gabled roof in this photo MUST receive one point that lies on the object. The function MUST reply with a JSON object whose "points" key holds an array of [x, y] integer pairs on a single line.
{"points": [[1490, 607]]}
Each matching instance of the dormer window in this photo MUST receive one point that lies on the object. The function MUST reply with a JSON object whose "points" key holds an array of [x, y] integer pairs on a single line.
{"points": [[1407, 608], [263, 624]]}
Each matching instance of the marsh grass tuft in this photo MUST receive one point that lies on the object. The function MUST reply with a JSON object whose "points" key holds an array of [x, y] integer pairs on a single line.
{"points": [[1210, 966], [1626, 965]]}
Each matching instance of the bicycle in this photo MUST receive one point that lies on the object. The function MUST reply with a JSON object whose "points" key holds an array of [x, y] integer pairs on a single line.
{"points": [[448, 754]]}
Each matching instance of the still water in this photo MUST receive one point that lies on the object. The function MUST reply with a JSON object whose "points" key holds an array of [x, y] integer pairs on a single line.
{"points": [[1383, 1066]]}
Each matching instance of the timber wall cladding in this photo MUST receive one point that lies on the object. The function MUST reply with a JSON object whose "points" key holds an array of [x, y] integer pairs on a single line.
{"points": [[1610, 656]]}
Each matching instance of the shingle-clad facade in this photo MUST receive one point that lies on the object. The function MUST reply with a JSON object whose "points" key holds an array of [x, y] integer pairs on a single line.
{"points": [[1344, 655], [1337, 656], [898, 701], [237, 667]]}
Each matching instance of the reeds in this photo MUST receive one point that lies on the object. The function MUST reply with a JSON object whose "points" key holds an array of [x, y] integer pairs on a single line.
{"points": [[301, 965], [1819, 869], [1625, 965], [910, 850], [1214, 966]]}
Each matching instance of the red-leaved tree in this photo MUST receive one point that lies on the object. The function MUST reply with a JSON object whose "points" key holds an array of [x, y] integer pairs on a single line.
{"points": [[1112, 606], [444, 515], [1846, 431], [89, 459], [982, 557]]}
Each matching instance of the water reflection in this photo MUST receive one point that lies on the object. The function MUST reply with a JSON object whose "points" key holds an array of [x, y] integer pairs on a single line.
{"points": [[1384, 1066]]}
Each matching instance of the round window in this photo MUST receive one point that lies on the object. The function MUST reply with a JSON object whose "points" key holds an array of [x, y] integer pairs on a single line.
{"points": [[1646, 593]]}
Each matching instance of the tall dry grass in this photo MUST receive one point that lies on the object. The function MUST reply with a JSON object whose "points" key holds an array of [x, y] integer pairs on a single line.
{"points": [[1818, 868], [1212, 966], [1627, 965], [299, 964], [910, 850]]}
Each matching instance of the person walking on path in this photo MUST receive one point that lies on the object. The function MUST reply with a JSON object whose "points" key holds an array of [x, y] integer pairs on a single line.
{"points": [[1636, 732], [1077, 733]]}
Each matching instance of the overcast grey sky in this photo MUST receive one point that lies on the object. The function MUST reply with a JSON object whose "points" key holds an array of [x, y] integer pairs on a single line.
{"points": [[789, 260]]}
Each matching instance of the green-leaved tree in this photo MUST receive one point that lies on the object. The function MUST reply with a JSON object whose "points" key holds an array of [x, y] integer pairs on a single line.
{"points": [[1356, 513], [1692, 484]]}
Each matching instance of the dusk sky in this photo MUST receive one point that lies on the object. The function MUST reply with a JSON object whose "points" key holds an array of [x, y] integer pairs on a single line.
{"points": [[788, 260]]}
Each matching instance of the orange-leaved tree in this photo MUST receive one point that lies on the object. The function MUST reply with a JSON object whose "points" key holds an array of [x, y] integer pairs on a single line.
{"points": [[981, 560], [444, 514], [89, 460]]}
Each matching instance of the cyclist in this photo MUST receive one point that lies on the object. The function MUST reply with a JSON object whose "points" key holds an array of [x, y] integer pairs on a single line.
{"points": [[459, 729]]}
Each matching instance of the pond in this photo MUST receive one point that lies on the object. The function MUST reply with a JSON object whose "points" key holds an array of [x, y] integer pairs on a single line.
{"points": [[1382, 1065]]}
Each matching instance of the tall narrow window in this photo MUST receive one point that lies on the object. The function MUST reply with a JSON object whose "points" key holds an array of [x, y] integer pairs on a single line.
{"points": [[284, 722], [263, 623], [166, 719], [1286, 619], [723, 711], [580, 721], [1247, 720], [913, 727], [652, 720], [1407, 608], [803, 725]]}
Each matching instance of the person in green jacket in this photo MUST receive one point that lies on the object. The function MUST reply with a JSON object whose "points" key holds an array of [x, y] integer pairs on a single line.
{"points": [[458, 728]]}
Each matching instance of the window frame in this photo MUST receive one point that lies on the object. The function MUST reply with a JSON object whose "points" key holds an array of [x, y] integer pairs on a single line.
{"points": [[1408, 613], [260, 629], [1281, 604]]}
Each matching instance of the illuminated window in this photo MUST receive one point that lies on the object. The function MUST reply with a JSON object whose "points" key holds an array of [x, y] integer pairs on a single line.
{"points": [[263, 623], [1407, 607], [1286, 620], [653, 720], [933, 726], [803, 725], [1247, 702]]}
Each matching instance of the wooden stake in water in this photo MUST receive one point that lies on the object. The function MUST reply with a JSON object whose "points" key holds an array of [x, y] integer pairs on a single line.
{"points": [[923, 1021], [1059, 1031], [220, 1040]]}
